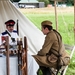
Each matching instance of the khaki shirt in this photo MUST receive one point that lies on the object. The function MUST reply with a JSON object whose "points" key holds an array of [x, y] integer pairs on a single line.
{"points": [[51, 42]]}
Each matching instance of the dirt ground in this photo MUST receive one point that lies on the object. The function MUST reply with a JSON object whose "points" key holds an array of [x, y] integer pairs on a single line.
{"points": [[48, 9]]}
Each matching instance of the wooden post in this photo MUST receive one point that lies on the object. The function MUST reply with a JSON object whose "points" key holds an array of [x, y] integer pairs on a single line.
{"points": [[17, 27], [74, 21], [7, 55], [56, 19], [25, 47]]}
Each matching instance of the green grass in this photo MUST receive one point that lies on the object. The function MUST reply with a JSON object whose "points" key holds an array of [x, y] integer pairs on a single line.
{"points": [[65, 24], [65, 27]]}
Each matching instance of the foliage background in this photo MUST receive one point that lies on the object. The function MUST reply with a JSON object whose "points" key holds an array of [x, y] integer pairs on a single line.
{"points": [[68, 2]]}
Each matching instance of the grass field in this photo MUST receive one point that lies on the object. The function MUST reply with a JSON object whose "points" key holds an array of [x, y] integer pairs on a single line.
{"points": [[65, 20], [65, 25]]}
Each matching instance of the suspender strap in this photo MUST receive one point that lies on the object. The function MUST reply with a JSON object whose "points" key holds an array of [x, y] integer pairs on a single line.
{"points": [[8, 33], [13, 39], [55, 52], [59, 42]]}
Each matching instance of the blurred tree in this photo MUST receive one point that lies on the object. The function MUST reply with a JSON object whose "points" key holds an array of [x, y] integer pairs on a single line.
{"points": [[68, 2], [14, 0], [45, 1]]}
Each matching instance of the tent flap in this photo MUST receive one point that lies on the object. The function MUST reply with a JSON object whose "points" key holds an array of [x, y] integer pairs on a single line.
{"points": [[35, 37]]}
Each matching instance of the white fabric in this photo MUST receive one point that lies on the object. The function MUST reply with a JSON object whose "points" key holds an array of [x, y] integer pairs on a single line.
{"points": [[13, 35], [35, 37], [32, 69]]}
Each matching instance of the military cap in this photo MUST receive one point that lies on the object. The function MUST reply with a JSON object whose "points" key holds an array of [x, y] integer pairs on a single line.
{"points": [[10, 23], [46, 22]]}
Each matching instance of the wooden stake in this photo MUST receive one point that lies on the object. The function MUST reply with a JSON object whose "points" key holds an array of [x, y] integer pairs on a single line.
{"points": [[25, 47], [56, 18], [7, 55], [74, 21]]}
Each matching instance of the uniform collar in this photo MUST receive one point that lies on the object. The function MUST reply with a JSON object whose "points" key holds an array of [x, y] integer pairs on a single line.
{"points": [[50, 32], [9, 32]]}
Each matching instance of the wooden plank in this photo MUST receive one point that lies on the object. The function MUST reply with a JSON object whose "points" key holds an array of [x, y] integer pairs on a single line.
{"points": [[25, 47], [7, 55], [68, 47], [64, 73]]}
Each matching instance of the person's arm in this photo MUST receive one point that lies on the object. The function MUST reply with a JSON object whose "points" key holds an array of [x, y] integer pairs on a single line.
{"points": [[47, 45], [1, 43]]}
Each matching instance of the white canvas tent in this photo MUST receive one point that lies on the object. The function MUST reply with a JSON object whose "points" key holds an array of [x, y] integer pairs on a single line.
{"points": [[34, 36]]}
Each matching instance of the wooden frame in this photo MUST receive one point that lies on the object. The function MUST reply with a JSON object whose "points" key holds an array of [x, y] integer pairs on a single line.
{"points": [[7, 55], [22, 57], [6, 48], [72, 49]]}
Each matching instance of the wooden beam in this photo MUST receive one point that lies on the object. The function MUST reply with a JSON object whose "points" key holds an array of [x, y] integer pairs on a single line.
{"points": [[74, 21], [56, 18], [7, 55]]}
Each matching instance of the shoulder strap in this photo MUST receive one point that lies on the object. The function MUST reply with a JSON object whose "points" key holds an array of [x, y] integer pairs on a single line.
{"points": [[59, 55], [8, 33], [54, 51], [59, 39], [4, 33], [13, 39]]}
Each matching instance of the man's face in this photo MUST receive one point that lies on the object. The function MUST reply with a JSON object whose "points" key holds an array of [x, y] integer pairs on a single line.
{"points": [[10, 28], [45, 31]]}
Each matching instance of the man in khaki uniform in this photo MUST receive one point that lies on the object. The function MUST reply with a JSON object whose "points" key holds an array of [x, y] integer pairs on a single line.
{"points": [[50, 47]]}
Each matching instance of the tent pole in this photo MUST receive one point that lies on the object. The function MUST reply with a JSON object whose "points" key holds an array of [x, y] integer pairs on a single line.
{"points": [[74, 21], [56, 19]]}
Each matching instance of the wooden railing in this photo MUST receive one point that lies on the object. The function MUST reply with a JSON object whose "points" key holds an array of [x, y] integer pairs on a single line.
{"points": [[72, 49], [21, 53]]}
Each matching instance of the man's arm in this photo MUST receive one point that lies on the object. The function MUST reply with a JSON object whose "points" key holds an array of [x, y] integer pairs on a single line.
{"points": [[47, 46]]}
